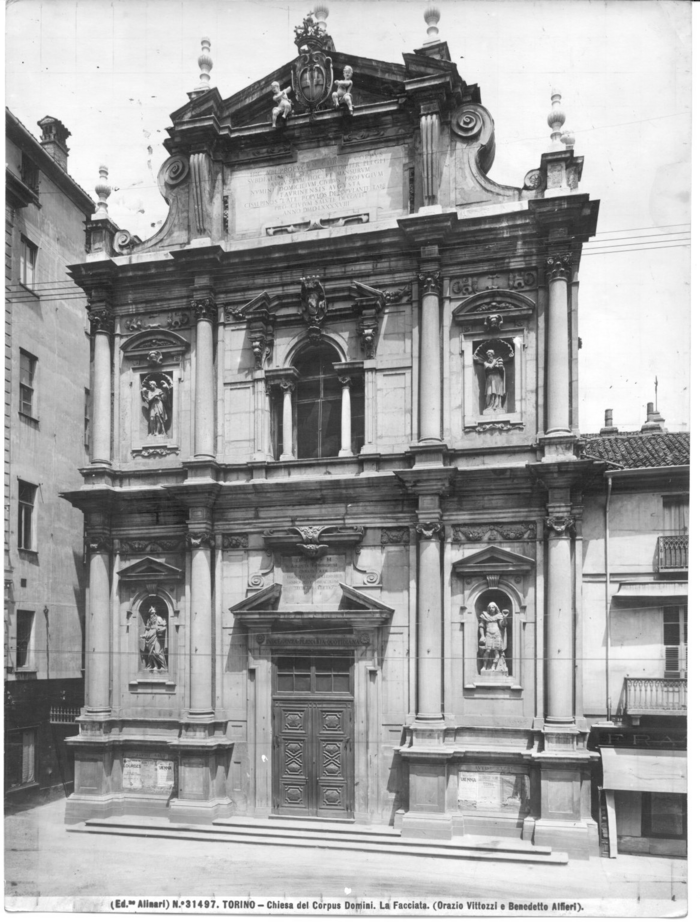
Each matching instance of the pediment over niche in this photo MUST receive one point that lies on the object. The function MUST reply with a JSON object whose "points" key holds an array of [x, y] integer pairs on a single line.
{"points": [[148, 569], [145, 342], [498, 303], [493, 560], [268, 605]]}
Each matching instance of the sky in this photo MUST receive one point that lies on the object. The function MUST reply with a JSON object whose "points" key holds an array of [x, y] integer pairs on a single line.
{"points": [[114, 70]]}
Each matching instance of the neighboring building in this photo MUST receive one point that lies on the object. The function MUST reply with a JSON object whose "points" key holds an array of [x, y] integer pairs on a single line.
{"points": [[47, 360], [337, 500], [635, 568]]}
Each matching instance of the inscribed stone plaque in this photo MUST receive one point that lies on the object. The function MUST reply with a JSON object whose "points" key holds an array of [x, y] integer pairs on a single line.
{"points": [[320, 184], [312, 581]]}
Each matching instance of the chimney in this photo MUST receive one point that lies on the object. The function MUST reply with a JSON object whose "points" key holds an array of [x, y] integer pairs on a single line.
{"points": [[608, 428], [654, 421], [54, 135]]}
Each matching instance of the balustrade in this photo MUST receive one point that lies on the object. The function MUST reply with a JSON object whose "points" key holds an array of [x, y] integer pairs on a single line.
{"points": [[652, 696]]}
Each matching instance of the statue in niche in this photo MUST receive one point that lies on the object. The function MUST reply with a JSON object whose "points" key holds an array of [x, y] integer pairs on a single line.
{"points": [[493, 639], [343, 95], [283, 105], [156, 392], [154, 642], [494, 355]]}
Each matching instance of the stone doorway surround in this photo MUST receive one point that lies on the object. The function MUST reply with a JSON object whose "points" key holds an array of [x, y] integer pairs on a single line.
{"points": [[356, 625]]}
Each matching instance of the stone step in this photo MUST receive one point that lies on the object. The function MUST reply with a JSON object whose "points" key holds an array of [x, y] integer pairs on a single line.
{"points": [[123, 826]]}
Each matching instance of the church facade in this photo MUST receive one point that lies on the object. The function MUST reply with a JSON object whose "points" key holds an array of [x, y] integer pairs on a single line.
{"points": [[335, 493]]}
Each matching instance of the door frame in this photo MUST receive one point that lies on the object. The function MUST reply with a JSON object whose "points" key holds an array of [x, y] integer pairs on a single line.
{"points": [[366, 643]]}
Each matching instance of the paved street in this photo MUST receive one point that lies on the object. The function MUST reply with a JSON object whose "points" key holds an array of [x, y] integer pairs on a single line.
{"points": [[43, 859]]}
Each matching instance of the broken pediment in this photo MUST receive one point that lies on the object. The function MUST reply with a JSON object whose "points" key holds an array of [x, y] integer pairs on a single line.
{"points": [[150, 569], [493, 560], [270, 605]]}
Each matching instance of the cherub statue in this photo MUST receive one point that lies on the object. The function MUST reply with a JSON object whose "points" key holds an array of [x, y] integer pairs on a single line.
{"points": [[283, 105], [343, 95]]}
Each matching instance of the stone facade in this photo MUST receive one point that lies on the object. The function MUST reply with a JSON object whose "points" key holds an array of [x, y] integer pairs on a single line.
{"points": [[47, 360], [335, 451]]}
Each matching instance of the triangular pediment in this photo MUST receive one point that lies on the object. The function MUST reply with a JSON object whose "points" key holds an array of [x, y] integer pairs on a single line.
{"points": [[148, 568], [492, 559], [268, 605]]}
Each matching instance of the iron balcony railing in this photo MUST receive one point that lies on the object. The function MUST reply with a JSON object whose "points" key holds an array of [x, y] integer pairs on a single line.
{"points": [[672, 552], [656, 696]]}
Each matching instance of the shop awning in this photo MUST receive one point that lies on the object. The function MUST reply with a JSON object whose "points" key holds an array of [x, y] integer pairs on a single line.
{"points": [[646, 770], [650, 590]]}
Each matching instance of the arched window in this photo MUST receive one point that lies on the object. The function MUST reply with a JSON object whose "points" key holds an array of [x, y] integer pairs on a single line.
{"points": [[318, 407]]}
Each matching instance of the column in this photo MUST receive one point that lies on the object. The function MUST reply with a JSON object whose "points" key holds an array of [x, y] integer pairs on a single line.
{"points": [[429, 621], [97, 629], [560, 620], [102, 321], [285, 379], [205, 313], [430, 388], [287, 422], [558, 376], [345, 418], [201, 702]]}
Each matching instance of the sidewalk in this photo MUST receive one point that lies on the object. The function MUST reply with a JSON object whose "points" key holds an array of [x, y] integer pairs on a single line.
{"points": [[44, 859]]}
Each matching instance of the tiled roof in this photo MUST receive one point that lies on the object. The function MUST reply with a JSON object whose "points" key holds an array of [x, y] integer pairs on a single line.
{"points": [[639, 449]]}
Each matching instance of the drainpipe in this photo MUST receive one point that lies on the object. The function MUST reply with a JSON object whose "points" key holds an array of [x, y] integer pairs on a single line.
{"points": [[608, 703]]}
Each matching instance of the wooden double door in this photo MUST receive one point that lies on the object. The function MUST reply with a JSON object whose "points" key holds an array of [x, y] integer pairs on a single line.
{"points": [[313, 737]]}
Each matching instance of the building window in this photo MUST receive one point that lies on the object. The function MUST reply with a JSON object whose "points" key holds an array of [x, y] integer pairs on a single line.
{"points": [[20, 757], [27, 374], [664, 815], [25, 631], [318, 401], [86, 420], [318, 404], [25, 523], [27, 262], [675, 641], [30, 173], [675, 518]]}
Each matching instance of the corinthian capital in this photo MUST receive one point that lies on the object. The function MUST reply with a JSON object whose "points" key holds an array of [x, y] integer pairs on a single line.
{"points": [[429, 531], [429, 283], [558, 266], [200, 540], [560, 525], [101, 319], [204, 308]]}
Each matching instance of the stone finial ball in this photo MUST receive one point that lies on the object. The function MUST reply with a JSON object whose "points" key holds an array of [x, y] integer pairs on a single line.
{"points": [[321, 12]]}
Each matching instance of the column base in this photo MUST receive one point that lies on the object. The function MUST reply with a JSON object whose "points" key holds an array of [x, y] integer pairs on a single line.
{"points": [[428, 452], [287, 457], [346, 453]]}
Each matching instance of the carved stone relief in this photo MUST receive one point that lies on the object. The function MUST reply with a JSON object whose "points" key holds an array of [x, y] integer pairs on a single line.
{"points": [[515, 280], [313, 306], [395, 536], [234, 541], [515, 531]]}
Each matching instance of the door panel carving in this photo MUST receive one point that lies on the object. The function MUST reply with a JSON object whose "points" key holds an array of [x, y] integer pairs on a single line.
{"points": [[313, 758]]}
